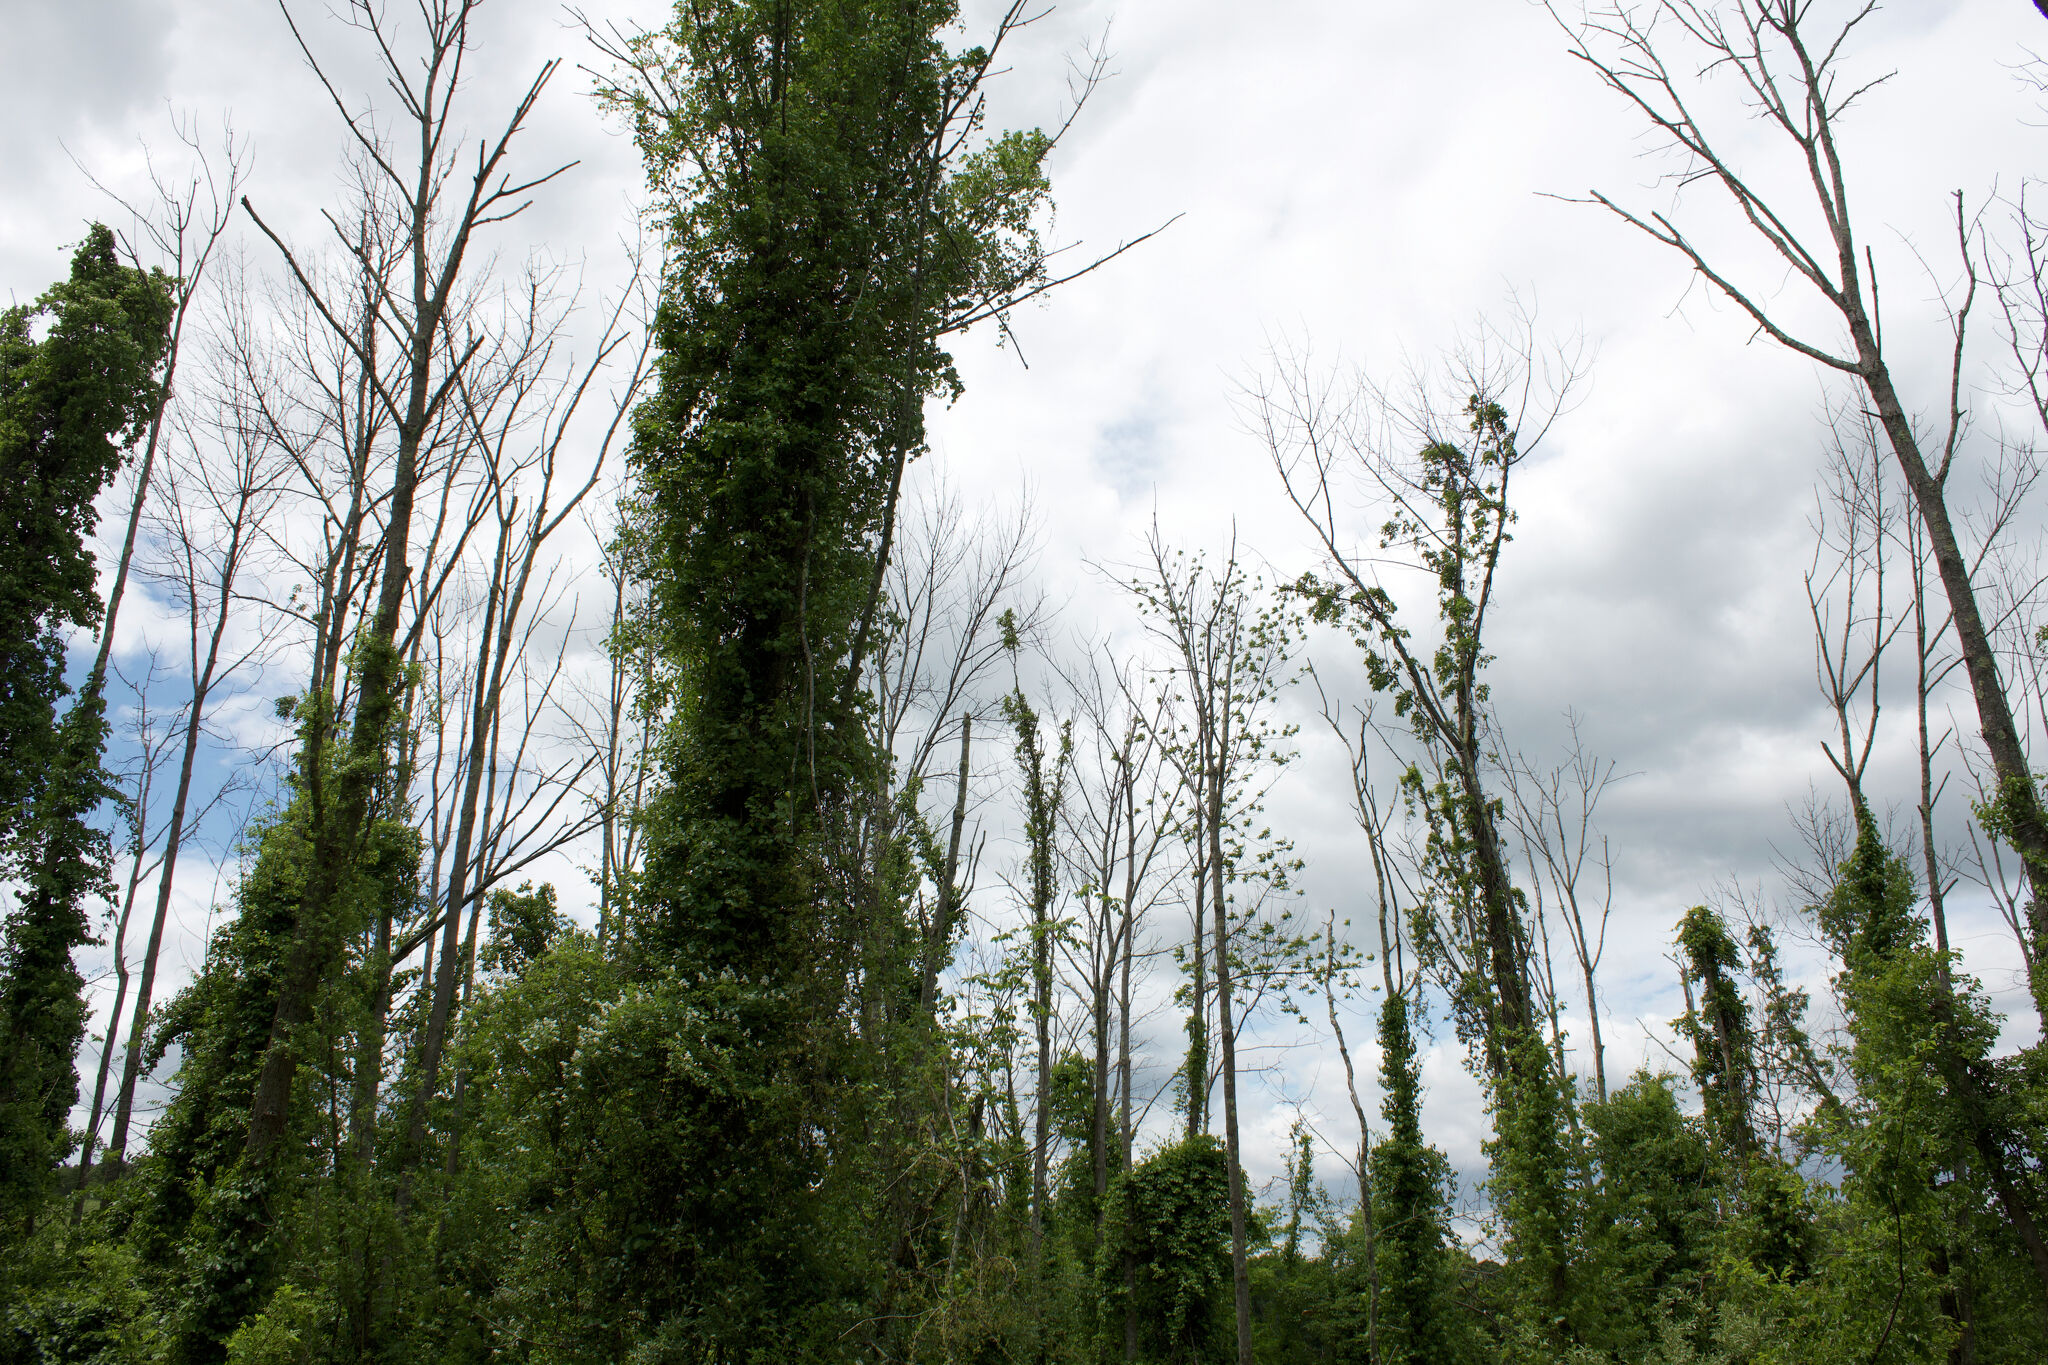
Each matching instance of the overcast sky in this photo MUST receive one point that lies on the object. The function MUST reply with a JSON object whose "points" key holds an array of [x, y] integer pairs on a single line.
{"points": [[1361, 182]]}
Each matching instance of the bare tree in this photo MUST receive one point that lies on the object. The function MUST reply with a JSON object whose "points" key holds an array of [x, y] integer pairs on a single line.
{"points": [[183, 221], [623, 729], [1122, 836], [152, 742], [1790, 69], [485, 852], [211, 507], [958, 603], [1553, 812], [436, 217]]}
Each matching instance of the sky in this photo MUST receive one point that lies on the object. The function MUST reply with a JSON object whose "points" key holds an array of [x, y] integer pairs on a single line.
{"points": [[1357, 188]]}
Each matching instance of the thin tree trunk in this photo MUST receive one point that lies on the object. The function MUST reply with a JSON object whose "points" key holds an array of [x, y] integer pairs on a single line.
{"points": [[2023, 823], [1350, 1074], [317, 941], [942, 926], [121, 975], [1124, 1125], [1041, 1134], [1593, 1023], [454, 1162], [370, 1050], [1098, 1133], [1198, 1019], [1922, 685], [482, 700], [174, 836], [1123, 1046], [1225, 1029]]}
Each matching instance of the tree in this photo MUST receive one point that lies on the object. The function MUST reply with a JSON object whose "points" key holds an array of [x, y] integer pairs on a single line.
{"points": [[1879, 939], [1718, 1024], [1553, 813], [1122, 819], [69, 401], [1411, 1320], [834, 210], [185, 225], [1443, 469], [1226, 660], [1167, 1220], [432, 226], [208, 525], [1044, 778], [1792, 67], [495, 413]]}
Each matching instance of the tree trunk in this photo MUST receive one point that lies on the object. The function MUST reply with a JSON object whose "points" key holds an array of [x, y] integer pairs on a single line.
{"points": [[942, 927], [2017, 804], [1240, 1273], [1198, 1019], [1593, 1023], [318, 937], [174, 836], [1041, 1009], [121, 975], [460, 891], [1124, 1126], [1098, 1132]]}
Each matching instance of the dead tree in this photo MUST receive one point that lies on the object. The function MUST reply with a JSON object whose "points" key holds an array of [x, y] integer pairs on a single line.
{"points": [[483, 853], [183, 221], [1553, 812], [206, 533], [438, 202], [1792, 73]]}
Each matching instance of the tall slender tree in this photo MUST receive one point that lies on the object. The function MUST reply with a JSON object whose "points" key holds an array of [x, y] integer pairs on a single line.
{"points": [[70, 400]]}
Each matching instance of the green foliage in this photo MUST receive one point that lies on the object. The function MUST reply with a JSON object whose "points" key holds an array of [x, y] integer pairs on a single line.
{"points": [[524, 924], [1652, 1217], [284, 1333], [70, 398], [735, 1131], [1724, 1044], [66, 1300], [1411, 1318], [1169, 1215], [214, 1225], [830, 218]]}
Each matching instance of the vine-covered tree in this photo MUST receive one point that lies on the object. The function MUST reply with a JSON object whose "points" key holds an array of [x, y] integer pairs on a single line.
{"points": [[78, 379]]}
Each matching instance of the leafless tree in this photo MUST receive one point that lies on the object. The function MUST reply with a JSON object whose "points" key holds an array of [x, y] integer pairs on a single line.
{"points": [[1553, 811], [414, 267], [1122, 845], [183, 220], [959, 602], [487, 849], [210, 508], [151, 741], [1790, 68], [620, 723], [1853, 526]]}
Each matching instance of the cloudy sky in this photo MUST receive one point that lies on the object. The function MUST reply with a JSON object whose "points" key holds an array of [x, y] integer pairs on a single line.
{"points": [[1361, 184]]}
